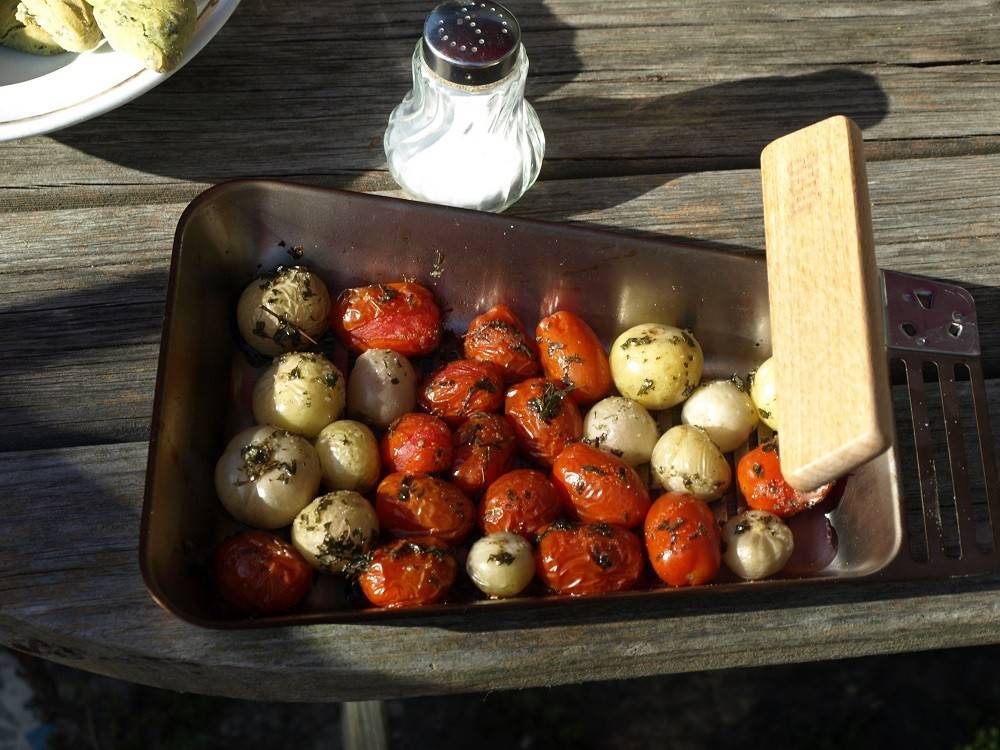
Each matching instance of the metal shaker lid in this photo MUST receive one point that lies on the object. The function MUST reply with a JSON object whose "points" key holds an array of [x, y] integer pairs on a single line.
{"points": [[472, 44]]}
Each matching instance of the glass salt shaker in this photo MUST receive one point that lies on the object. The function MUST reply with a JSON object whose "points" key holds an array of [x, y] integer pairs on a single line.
{"points": [[464, 135]]}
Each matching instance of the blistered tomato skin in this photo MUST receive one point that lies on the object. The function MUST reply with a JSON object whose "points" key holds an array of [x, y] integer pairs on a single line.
{"points": [[762, 484], [416, 443], [462, 387], [417, 505], [408, 573], [522, 502], [258, 573], [483, 449], [682, 540], [401, 316], [571, 352], [601, 488], [579, 560], [498, 336], [544, 419]]}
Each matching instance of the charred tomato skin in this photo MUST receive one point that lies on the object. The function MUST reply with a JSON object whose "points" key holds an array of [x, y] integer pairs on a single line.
{"points": [[499, 337], [259, 574], [419, 505], [416, 443], [582, 559], [521, 502], [544, 419], [408, 573], [483, 449], [461, 388], [401, 316], [571, 352], [600, 487], [683, 540], [764, 487]]}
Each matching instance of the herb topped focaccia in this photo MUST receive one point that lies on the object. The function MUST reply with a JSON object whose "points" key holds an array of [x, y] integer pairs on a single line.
{"points": [[20, 31], [154, 31], [69, 22]]}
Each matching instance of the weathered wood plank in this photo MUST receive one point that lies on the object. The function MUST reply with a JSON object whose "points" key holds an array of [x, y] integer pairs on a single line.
{"points": [[80, 314], [621, 89], [70, 590]]}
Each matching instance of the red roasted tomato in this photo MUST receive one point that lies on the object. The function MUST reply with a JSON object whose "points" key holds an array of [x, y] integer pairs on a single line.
{"points": [[416, 443], [588, 559], [413, 505], [259, 574], [408, 573], [462, 387], [544, 420], [401, 316], [601, 487], [571, 352], [498, 336], [762, 484], [682, 540], [522, 502], [483, 449]]}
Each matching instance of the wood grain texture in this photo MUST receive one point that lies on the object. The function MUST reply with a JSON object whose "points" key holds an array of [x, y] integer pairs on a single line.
{"points": [[623, 88], [639, 100], [826, 303], [71, 591]]}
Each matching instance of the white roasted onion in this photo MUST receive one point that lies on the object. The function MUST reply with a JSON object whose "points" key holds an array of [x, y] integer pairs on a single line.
{"points": [[656, 365], [622, 427], [501, 564], [348, 456], [333, 530], [283, 311], [301, 392], [686, 460], [764, 392], [382, 387], [266, 476], [757, 544], [723, 410]]}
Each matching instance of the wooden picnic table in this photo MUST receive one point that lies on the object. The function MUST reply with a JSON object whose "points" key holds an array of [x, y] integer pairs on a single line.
{"points": [[655, 113]]}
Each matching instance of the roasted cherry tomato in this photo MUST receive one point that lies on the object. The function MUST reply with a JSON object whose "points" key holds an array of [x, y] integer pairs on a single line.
{"points": [[544, 419], [586, 559], [571, 352], [408, 573], [763, 486], [401, 316], [412, 505], [260, 574], [683, 540], [498, 336], [601, 488], [522, 502], [416, 443], [462, 387], [483, 448]]}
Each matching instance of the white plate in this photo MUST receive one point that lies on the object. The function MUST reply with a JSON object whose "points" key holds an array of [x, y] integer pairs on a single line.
{"points": [[42, 94]]}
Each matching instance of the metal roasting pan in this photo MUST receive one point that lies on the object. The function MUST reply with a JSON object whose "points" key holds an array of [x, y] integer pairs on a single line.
{"points": [[473, 260]]}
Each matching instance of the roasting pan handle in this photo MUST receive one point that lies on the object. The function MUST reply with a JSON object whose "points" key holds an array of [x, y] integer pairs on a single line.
{"points": [[827, 336]]}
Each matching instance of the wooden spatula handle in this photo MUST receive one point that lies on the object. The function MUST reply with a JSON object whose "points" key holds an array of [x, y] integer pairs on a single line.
{"points": [[834, 409]]}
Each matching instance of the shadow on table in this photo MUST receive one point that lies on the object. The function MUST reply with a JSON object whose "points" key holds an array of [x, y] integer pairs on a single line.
{"points": [[227, 116]]}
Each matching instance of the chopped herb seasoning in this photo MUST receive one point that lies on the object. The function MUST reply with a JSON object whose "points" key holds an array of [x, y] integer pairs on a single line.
{"points": [[296, 252], [386, 293], [501, 558], [295, 373], [757, 470], [740, 383], [688, 390], [594, 469], [601, 558], [688, 338], [646, 387], [548, 405], [603, 529], [764, 413], [637, 341], [331, 379]]}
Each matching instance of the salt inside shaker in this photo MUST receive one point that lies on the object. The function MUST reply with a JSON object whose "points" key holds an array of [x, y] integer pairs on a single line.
{"points": [[464, 135]]}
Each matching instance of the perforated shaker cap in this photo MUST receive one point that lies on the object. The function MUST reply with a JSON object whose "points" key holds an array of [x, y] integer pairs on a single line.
{"points": [[473, 44]]}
